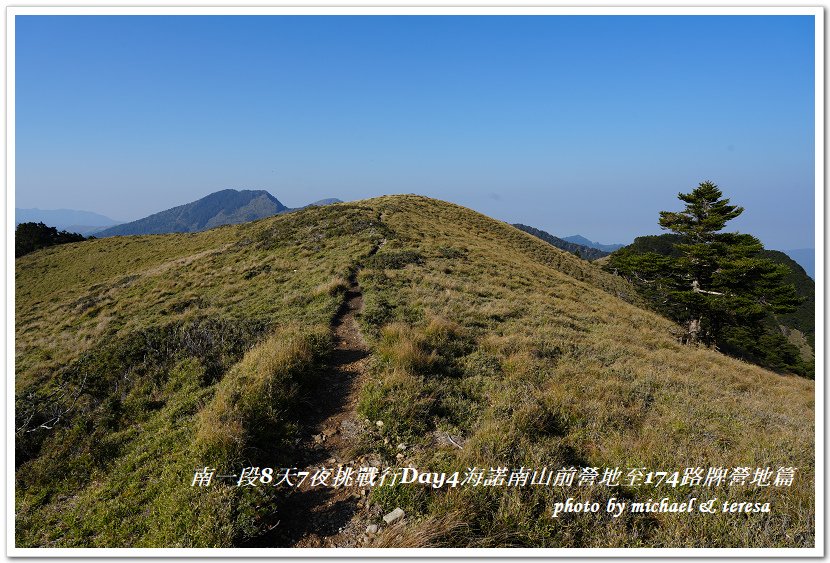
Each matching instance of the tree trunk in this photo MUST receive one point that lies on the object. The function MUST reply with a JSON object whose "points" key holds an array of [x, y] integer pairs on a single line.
{"points": [[693, 331]]}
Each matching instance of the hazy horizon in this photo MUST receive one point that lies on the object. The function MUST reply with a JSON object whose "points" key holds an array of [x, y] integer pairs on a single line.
{"points": [[560, 235], [585, 125]]}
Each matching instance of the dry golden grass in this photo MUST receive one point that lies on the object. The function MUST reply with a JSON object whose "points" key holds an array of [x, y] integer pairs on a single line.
{"points": [[434, 531], [253, 401], [483, 336], [284, 269], [158, 323], [560, 371]]}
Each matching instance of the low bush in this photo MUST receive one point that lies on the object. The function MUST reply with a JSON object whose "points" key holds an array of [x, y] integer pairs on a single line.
{"points": [[395, 260]]}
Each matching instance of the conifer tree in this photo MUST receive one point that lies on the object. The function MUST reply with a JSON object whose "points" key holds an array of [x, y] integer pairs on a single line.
{"points": [[712, 282], [29, 237]]}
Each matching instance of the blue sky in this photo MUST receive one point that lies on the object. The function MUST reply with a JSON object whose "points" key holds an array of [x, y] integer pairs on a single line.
{"points": [[587, 125]]}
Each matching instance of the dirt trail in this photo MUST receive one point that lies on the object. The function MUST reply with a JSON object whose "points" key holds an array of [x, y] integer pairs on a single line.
{"points": [[327, 516]]}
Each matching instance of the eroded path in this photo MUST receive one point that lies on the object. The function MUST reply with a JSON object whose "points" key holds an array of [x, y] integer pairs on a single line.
{"points": [[327, 516]]}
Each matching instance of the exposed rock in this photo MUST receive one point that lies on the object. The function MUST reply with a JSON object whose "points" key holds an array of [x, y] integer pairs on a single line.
{"points": [[393, 516], [372, 529], [349, 427]]}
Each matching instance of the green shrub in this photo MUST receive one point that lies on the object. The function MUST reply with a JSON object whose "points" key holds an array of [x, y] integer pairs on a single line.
{"points": [[395, 260]]}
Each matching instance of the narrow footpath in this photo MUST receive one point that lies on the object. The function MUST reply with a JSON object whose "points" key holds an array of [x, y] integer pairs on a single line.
{"points": [[327, 516]]}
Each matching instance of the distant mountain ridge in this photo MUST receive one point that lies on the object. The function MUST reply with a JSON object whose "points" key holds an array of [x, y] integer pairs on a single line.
{"points": [[224, 207], [806, 258], [321, 202], [586, 252], [71, 220], [579, 239]]}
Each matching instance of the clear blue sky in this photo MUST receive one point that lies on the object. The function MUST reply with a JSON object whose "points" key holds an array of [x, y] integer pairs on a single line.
{"points": [[585, 125]]}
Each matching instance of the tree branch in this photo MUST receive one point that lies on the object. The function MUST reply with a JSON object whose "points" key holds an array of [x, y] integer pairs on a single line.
{"points": [[696, 289]]}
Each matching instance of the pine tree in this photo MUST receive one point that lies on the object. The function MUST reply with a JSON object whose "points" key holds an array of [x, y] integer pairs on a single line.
{"points": [[720, 280], [714, 284]]}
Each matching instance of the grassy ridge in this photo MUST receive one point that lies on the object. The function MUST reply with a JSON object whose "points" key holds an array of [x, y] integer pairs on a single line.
{"points": [[490, 348], [140, 358], [526, 357]]}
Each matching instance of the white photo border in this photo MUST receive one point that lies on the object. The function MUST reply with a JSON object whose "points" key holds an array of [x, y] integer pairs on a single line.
{"points": [[461, 8]]}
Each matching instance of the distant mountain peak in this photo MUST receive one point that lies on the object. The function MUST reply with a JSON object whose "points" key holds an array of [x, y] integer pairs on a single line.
{"points": [[223, 207], [579, 239], [583, 250], [72, 220], [327, 201]]}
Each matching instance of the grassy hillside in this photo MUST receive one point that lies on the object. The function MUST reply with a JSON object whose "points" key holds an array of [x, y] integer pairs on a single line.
{"points": [[128, 350], [580, 250], [140, 358]]}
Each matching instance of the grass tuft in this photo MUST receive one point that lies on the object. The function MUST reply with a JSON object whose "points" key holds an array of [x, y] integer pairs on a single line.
{"points": [[251, 410]]}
